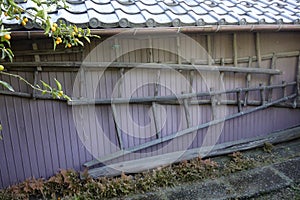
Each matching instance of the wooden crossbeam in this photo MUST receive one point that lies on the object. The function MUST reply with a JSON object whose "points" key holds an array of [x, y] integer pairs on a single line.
{"points": [[178, 97]]}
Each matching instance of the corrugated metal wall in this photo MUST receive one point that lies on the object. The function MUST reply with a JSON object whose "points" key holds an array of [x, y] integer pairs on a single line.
{"points": [[40, 136]]}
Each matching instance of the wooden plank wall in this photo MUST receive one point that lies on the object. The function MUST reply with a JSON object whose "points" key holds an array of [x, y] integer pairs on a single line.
{"points": [[40, 136]]}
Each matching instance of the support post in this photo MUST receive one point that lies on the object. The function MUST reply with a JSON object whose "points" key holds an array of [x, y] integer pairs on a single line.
{"points": [[150, 50], [209, 52], [156, 122], [213, 104], [262, 94], [179, 61], [257, 47], [235, 56], [248, 79], [239, 100], [271, 77], [38, 68], [118, 130], [187, 112], [284, 88]]}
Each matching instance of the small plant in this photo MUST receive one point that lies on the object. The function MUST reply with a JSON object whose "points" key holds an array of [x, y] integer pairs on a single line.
{"points": [[239, 162], [268, 147]]}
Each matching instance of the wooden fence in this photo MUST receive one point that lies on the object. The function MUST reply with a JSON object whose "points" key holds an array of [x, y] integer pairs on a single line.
{"points": [[164, 96]]}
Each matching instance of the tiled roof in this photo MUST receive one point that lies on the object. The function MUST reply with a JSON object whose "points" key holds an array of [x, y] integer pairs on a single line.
{"points": [[167, 13]]}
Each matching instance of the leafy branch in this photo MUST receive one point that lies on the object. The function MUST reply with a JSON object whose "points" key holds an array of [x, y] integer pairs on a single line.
{"points": [[45, 89]]}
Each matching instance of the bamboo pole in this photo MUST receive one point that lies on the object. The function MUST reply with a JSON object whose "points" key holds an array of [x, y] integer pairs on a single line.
{"points": [[271, 77], [61, 66], [155, 116], [257, 48], [150, 50], [118, 130], [179, 60], [248, 79], [184, 132], [209, 51], [262, 94], [38, 68], [178, 97], [235, 53]]}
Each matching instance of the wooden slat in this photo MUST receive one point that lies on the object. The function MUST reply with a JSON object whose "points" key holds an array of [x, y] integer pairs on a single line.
{"points": [[37, 59], [271, 77], [187, 112], [248, 79], [154, 107], [47, 52], [179, 61], [262, 94], [97, 65], [168, 97], [118, 130], [235, 52], [257, 48], [209, 50]]}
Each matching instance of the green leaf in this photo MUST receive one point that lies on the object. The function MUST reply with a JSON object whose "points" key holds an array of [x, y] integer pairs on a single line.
{"points": [[44, 92], [81, 43], [46, 86], [87, 39], [7, 86], [58, 85]]}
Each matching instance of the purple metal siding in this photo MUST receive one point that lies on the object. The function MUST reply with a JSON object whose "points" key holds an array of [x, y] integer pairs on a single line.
{"points": [[40, 136]]}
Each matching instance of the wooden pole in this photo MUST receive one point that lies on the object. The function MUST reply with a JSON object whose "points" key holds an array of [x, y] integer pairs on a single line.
{"points": [[235, 53], [170, 97], [154, 111], [257, 47], [271, 77], [150, 50], [38, 68], [118, 130], [248, 79], [209, 51], [262, 94], [179, 60]]}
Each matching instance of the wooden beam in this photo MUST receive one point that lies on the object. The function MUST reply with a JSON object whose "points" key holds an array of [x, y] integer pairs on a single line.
{"points": [[187, 113], [257, 48], [262, 94], [179, 60], [178, 97], [144, 164], [97, 65], [118, 130], [150, 50], [38, 68], [248, 79], [235, 52], [271, 77], [154, 111], [239, 100], [209, 51], [184, 132]]}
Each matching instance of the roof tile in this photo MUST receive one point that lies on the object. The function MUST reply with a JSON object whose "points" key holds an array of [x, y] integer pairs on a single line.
{"points": [[151, 13], [104, 8], [130, 9]]}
